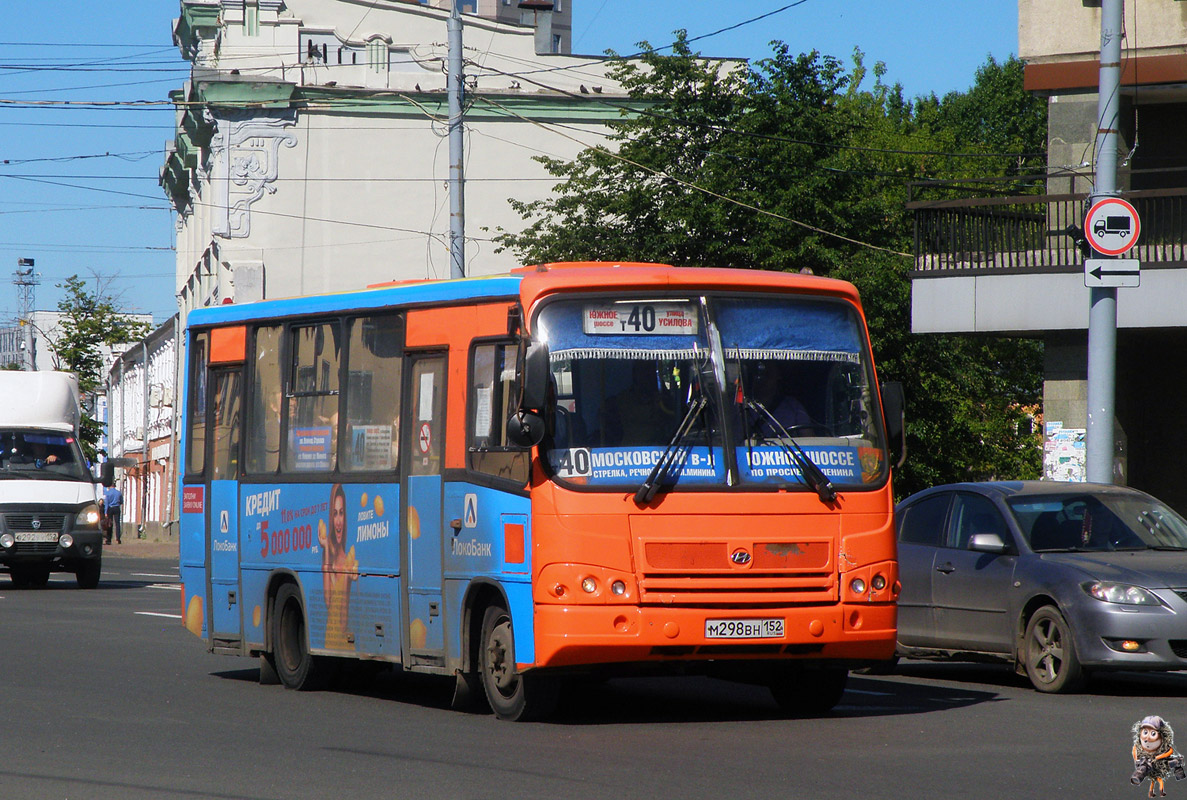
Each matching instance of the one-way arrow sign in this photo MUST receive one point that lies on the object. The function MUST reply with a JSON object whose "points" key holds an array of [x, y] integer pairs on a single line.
{"points": [[1111, 272]]}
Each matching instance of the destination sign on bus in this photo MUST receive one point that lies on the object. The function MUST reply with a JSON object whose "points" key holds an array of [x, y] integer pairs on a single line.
{"points": [[664, 319]]}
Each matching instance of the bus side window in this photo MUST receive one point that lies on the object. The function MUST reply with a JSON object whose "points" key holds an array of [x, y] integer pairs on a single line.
{"points": [[196, 451], [373, 366], [264, 403], [492, 374], [315, 352]]}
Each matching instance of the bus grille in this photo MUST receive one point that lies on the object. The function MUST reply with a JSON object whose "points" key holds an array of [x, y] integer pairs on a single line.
{"points": [[748, 589], [24, 522]]}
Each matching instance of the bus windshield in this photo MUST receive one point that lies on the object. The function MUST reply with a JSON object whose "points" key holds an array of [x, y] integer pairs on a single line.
{"points": [[736, 391]]}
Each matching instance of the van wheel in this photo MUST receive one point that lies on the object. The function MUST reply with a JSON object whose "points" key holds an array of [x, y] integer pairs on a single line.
{"points": [[87, 573], [296, 667], [512, 695]]}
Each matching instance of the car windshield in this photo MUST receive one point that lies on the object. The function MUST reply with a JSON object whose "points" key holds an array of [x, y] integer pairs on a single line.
{"points": [[730, 390], [40, 455], [1083, 521]]}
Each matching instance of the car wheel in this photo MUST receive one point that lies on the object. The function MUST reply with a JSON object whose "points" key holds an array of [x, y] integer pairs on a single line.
{"points": [[512, 695], [1049, 653]]}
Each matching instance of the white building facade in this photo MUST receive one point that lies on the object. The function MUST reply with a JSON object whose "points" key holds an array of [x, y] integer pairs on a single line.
{"points": [[311, 152], [142, 388]]}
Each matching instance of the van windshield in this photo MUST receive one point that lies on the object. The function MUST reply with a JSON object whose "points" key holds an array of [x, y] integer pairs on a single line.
{"points": [[41, 455]]}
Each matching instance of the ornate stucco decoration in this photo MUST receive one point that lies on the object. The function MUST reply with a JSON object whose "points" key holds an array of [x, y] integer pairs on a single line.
{"points": [[245, 156]]}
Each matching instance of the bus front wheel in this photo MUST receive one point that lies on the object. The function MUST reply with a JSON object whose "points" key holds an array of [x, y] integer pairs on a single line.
{"points": [[809, 692], [512, 695], [296, 667]]}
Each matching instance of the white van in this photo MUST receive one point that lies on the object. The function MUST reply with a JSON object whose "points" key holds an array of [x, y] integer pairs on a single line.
{"points": [[49, 501]]}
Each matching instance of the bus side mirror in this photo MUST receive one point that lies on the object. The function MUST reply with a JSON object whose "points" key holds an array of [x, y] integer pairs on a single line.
{"points": [[535, 374], [525, 428], [894, 409]]}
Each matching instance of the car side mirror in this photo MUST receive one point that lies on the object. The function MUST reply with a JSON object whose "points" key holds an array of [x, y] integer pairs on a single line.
{"points": [[107, 473], [987, 543]]}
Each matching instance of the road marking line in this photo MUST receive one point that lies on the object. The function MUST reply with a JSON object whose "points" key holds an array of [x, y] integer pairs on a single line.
{"points": [[175, 576], [176, 587], [157, 614]]}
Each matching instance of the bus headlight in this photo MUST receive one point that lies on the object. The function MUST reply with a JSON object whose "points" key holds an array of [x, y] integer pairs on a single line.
{"points": [[88, 517]]}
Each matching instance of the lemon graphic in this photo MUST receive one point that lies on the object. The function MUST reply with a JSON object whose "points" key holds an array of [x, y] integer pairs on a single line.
{"points": [[413, 523], [256, 613], [363, 501], [416, 634], [193, 616], [321, 532], [378, 506]]}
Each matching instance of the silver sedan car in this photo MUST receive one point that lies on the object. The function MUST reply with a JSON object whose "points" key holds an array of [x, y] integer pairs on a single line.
{"points": [[1061, 579]]}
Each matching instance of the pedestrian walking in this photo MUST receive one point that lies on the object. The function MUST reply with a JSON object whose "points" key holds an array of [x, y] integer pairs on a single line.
{"points": [[113, 506]]}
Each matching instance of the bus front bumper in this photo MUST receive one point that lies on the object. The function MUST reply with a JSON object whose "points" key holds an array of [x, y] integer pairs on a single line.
{"points": [[568, 636]]}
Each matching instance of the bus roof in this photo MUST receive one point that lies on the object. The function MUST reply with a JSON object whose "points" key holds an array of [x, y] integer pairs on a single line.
{"points": [[383, 296], [546, 279], [529, 284]]}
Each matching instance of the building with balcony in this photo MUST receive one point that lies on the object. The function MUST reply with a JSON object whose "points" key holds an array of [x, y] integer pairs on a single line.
{"points": [[1009, 259]]}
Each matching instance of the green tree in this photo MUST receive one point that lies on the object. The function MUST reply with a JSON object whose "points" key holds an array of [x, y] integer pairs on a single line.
{"points": [[790, 163], [89, 321]]}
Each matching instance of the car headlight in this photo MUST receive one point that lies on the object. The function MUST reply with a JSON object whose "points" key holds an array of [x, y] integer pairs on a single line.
{"points": [[88, 517], [1123, 593]]}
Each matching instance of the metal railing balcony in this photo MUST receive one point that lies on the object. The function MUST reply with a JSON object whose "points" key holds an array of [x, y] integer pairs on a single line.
{"points": [[1028, 233]]}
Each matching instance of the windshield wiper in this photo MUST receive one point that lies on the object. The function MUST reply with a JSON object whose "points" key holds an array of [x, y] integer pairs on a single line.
{"points": [[812, 474], [647, 490]]}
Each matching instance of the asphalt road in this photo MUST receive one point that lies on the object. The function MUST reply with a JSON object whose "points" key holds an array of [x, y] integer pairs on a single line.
{"points": [[104, 695]]}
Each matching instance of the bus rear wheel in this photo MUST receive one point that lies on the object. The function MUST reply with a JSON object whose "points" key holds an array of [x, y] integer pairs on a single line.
{"points": [[512, 695], [296, 667], [809, 692]]}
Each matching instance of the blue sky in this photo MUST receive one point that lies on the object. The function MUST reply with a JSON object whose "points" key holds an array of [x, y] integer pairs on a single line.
{"points": [[78, 183]]}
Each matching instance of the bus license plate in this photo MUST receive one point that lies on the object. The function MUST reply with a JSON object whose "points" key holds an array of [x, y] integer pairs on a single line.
{"points": [[744, 628], [48, 536]]}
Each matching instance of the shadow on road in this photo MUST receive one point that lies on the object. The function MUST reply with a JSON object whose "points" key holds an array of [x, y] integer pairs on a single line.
{"points": [[682, 699]]}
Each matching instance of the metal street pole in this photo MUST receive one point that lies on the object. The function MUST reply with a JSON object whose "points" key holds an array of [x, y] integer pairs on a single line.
{"points": [[456, 90], [1102, 313]]}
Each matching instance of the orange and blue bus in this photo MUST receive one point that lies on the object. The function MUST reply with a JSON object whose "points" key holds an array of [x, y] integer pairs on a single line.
{"points": [[570, 469]]}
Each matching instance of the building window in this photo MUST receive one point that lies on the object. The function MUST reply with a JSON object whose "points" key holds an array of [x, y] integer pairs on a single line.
{"points": [[377, 55], [251, 20], [556, 43], [559, 6]]}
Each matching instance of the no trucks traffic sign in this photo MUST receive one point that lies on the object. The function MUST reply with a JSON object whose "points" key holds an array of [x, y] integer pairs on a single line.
{"points": [[1112, 226]]}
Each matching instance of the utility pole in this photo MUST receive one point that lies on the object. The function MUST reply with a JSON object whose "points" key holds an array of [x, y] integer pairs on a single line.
{"points": [[456, 90], [1102, 313], [26, 285]]}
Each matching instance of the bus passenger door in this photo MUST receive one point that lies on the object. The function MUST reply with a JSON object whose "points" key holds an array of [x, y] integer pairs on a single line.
{"points": [[422, 472], [222, 477]]}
